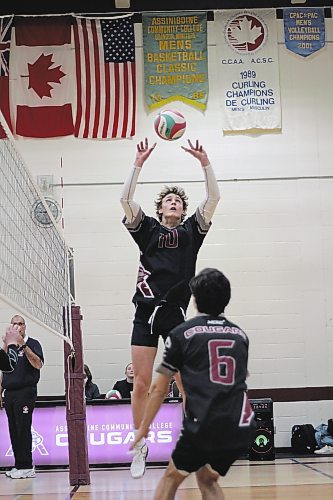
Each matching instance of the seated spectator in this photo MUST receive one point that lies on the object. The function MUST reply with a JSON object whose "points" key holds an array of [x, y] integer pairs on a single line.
{"points": [[125, 386], [91, 390]]}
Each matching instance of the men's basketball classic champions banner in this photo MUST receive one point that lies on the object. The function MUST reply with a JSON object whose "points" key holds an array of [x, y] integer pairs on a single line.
{"points": [[175, 58], [304, 30], [249, 69]]}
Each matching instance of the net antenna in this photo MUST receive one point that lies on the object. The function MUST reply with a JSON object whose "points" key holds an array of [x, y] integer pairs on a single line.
{"points": [[34, 259]]}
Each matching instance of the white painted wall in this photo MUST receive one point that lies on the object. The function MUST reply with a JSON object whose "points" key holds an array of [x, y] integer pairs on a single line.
{"points": [[272, 238]]}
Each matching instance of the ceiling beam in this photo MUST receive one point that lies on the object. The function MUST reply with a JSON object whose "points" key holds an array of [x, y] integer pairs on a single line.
{"points": [[109, 7]]}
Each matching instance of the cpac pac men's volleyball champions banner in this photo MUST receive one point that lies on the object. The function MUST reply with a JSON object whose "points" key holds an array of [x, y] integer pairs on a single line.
{"points": [[175, 58], [249, 69], [304, 30]]}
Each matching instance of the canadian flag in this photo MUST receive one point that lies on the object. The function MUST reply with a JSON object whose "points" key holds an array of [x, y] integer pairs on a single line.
{"points": [[42, 77]]}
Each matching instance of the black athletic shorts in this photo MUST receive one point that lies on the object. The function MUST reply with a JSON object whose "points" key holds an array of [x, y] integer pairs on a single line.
{"points": [[141, 333], [163, 319], [189, 456]]}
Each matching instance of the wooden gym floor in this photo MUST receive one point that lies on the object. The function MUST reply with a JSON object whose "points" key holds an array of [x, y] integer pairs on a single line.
{"points": [[285, 478]]}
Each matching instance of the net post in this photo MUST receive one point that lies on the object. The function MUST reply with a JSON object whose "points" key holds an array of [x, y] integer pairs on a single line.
{"points": [[79, 473]]}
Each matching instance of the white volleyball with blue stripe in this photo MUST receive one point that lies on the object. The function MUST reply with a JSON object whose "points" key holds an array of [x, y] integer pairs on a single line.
{"points": [[170, 124]]}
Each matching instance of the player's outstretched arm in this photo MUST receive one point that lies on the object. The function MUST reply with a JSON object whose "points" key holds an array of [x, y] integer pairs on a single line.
{"points": [[157, 393], [130, 207], [208, 205]]}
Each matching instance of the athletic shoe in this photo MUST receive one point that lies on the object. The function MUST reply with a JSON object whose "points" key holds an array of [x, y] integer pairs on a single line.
{"points": [[138, 465], [23, 473], [325, 451], [10, 472]]}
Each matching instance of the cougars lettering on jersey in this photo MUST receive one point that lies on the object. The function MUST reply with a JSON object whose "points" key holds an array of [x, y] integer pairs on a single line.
{"points": [[212, 355], [167, 257]]}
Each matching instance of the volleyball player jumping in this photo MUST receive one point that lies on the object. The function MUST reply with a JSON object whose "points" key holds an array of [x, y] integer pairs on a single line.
{"points": [[168, 253]]}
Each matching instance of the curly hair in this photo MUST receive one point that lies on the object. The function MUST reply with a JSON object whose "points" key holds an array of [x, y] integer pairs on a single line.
{"points": [[167, 190]]}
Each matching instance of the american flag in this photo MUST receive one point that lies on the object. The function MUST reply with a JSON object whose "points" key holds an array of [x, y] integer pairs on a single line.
{"points": [[106, 83], [5, 32]]}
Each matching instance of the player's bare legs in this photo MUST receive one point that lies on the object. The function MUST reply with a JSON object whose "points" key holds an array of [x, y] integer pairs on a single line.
{"points": [[168, 484], [143, 361], [207, 481], [180, 386]]}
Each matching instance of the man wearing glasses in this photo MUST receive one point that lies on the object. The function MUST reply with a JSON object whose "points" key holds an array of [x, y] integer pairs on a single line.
{"points": [[20, 387]]}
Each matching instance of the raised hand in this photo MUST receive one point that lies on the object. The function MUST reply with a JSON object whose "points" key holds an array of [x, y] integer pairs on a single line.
{"points": [[198, 152], [143, 152], [12, 336]]}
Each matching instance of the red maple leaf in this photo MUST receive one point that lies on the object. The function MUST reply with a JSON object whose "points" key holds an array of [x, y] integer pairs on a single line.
{"points": [[41, 73]]}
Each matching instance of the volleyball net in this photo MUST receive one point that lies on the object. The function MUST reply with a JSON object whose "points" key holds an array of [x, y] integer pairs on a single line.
{"points": [[34, 258]]}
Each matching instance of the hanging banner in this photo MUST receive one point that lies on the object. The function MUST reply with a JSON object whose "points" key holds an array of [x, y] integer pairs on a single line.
{"points": [[304, 30], [175, 58], [249, 69]]}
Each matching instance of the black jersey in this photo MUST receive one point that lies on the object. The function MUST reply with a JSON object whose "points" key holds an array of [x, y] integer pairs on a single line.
{"points": [[211, 354], [167, 257], [8, 359], [24, 374], [124, 387]]}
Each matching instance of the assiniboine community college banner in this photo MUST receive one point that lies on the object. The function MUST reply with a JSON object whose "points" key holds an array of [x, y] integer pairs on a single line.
{"points": [[249, 69], [175, 58]]}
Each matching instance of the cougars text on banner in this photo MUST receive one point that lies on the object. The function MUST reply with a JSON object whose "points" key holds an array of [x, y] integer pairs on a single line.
{"points": [[249, 69], [41, 77], [106, 83], [304, 30], [175, 58]]}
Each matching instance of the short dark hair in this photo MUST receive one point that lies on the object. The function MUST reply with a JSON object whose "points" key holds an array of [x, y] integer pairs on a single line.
{"points": [[167, 190], [211, 290]]}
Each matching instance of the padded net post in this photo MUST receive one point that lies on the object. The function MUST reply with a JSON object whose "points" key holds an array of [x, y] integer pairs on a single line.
{"points": [[76, 406]]}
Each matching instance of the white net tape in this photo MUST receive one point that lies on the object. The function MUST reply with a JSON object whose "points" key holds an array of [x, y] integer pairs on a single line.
{"points": [[34, 272]]}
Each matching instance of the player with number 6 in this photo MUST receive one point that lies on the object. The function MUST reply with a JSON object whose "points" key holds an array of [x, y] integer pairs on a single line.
{"points": [[211, 353]]}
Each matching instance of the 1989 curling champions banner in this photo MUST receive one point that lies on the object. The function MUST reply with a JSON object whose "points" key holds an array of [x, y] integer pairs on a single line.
{"points": [[249, 69]]}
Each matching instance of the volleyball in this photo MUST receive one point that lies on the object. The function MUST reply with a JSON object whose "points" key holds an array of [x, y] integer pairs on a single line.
{"points": [[113, 394], [170, 125]]}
